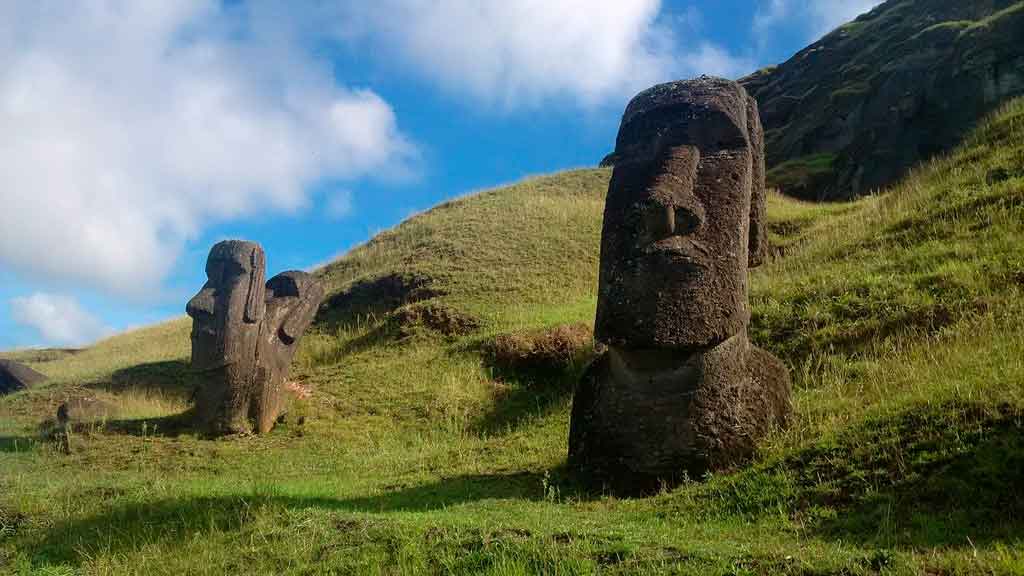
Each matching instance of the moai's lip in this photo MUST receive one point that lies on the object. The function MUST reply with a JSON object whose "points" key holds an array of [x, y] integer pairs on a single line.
{"points": [[207, 369], [680, 249], [203, 362], [204, 347]]}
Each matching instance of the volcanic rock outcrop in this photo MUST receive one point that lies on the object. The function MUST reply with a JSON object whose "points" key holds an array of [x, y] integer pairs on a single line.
{"points": [[853, 111], [244, 335], [15, 376], [680, 390]]}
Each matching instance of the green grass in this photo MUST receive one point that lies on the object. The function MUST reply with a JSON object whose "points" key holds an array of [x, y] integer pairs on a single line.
{"points": [[849, 91], [802, 176], [953, 25], [984, 23], [900, 315]]}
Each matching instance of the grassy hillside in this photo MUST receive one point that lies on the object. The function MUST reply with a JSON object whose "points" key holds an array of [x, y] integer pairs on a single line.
{"points": [[419, 451]]}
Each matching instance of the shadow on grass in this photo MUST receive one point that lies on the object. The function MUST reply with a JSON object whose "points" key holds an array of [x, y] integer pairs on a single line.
{"points": [[17, 444], [172, 378], [380, 334], [164, 426], [374, 297], [947, 475], [927, 476], [527, 393], [447, 492], [521, 401], [127, 527]]}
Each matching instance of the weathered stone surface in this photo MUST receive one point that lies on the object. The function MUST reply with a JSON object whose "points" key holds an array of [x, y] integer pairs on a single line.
{"points": [[244, 335], [292, 301], [682, 202], [680, 390], [644, 418], [853, 111], [15, 376]]}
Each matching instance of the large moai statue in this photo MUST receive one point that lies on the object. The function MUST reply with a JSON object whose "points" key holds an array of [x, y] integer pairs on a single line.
{"points": [[680, 390], [244, 335]]}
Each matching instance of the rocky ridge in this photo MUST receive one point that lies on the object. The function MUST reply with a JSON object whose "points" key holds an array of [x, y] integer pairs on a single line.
{"points": [[852, 112]]}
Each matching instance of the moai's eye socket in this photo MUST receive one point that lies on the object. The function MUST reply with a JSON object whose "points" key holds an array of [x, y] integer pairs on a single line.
{"points": [[235, 270], [720, 132], [687, 221], [213, 271]]}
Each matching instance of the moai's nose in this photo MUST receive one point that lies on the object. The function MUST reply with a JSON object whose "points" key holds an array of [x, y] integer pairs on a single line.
{"points": [[201, 304], [659, 221], [675, 209]]}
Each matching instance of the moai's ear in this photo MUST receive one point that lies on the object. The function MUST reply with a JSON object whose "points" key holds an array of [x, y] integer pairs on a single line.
{"points": [[301, 314], [758, 229], [254, 302]]}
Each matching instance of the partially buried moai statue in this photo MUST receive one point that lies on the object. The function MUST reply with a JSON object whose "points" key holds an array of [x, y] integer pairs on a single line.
{"points": [[244, 335], [680, 390]]}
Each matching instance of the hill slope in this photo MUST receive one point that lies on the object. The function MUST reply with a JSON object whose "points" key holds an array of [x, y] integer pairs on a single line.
{"points": [[852, 112], [901, 316]]}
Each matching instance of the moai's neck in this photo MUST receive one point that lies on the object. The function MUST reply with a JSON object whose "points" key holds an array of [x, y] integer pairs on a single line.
{"points": [[669, 365]]}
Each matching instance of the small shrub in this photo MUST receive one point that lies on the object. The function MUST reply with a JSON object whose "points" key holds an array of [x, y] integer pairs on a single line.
{"points": [[10, 522], [375, 296], [434, 317], [548, 352]]}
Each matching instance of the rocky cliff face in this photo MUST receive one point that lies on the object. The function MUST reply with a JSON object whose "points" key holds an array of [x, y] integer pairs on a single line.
{"points": [[853, 111]]}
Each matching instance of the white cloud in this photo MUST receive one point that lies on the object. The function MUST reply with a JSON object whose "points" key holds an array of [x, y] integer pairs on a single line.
{"points": [[716, 61], [58, 319], [339, 205], [691, 19], [818, 17], [524, 52], [128, 127]]}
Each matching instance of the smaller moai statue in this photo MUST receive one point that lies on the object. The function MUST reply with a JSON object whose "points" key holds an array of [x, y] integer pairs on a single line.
{"points": [[244, 336], [680, 390]]}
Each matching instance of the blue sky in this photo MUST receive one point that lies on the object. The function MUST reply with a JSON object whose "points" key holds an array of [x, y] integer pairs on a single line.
{"points": [[134, 137]]}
